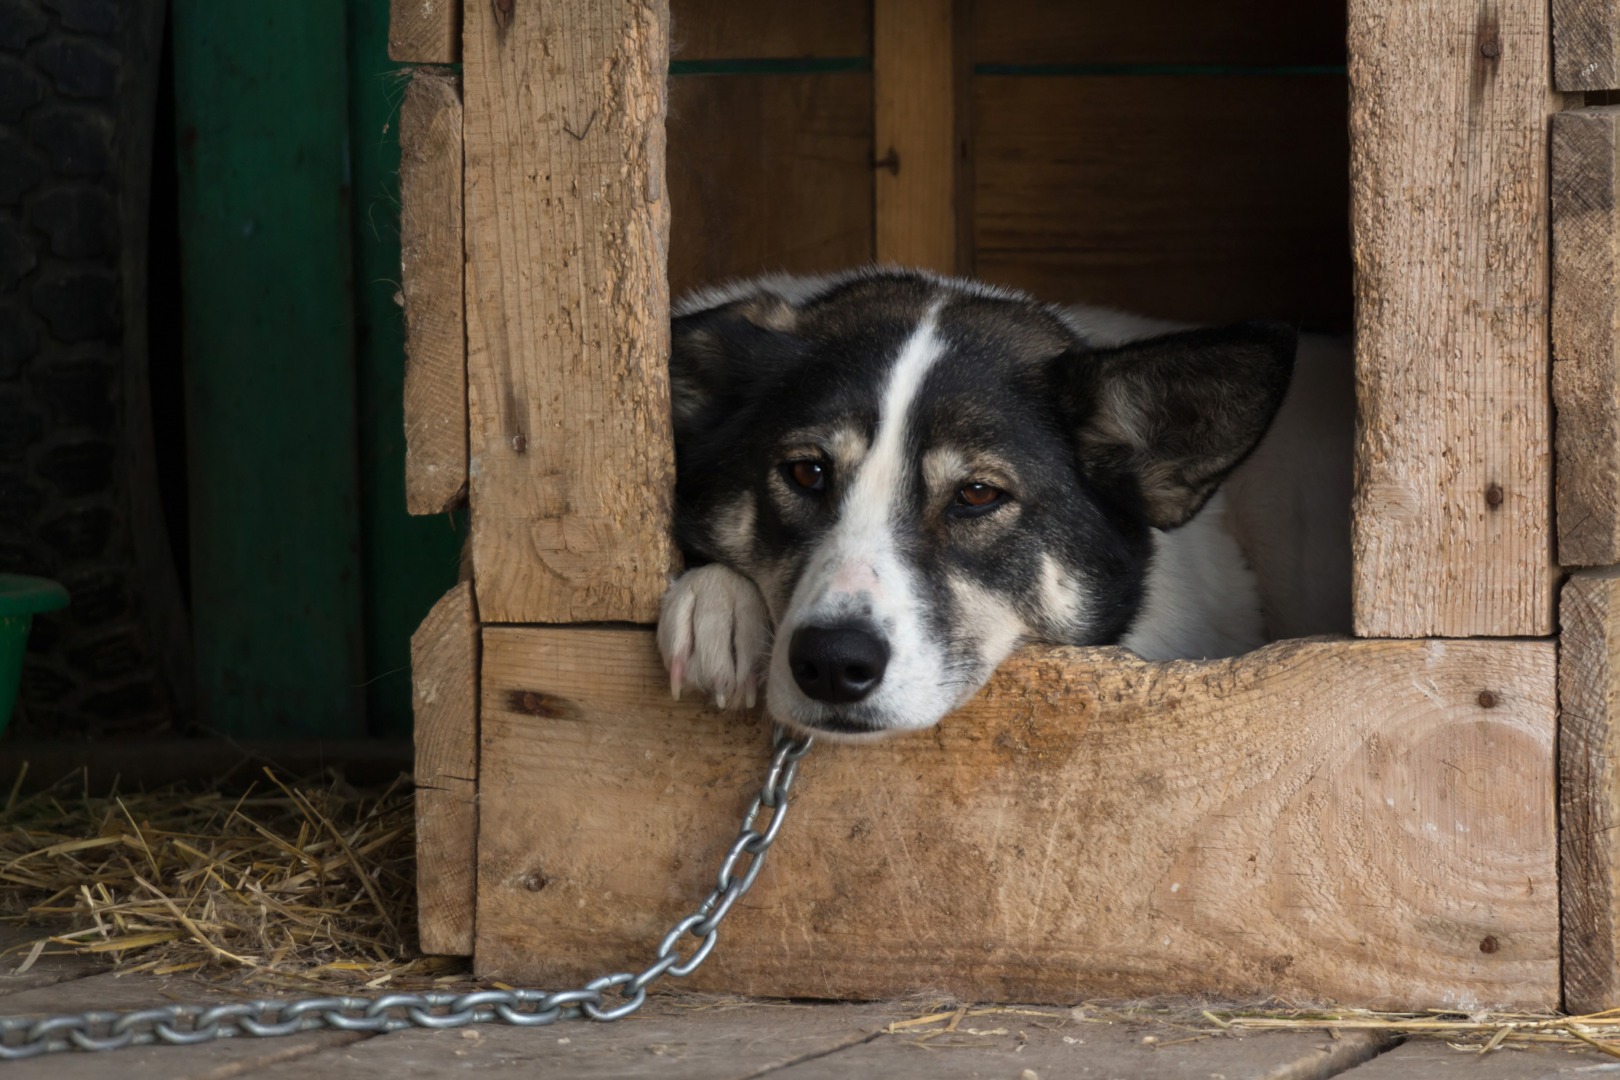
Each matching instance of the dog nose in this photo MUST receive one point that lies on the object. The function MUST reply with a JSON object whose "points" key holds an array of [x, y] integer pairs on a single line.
{"points": [[837, 664]]}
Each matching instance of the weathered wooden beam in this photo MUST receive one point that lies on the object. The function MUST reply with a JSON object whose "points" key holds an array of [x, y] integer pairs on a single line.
{"points": [[424, 31], [1367, 821], [1586, 332], [920, 107], [431, 256], [570, 452], [1448, 124], [1589, 788], [1586, 44], [444, 680]]}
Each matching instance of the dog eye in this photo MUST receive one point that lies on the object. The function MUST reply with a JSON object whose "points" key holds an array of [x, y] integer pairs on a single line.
{"points": [[975, 499], [806, 475]]}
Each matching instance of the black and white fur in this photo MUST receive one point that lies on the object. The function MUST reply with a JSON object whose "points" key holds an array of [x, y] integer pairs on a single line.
{"points": [[898, 478]]}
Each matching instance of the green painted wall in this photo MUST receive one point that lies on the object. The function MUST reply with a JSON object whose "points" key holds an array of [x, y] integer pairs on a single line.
{"points": [[307, 575]]}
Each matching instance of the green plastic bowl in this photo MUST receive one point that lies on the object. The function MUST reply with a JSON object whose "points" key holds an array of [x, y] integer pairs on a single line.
{"points": [[21, 597]]}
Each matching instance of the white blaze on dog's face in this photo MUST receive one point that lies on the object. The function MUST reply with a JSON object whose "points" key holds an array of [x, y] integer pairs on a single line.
{"points": [[920, 474]]}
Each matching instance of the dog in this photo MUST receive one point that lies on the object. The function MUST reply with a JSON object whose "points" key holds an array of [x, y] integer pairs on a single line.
{"points": [[888, 480]]}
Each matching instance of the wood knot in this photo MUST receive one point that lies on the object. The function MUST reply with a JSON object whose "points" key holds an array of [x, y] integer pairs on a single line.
{"points": [[889, 161], [1493, 496], [535, 703], [1489, 945], [1487, 700], [503, 12]]}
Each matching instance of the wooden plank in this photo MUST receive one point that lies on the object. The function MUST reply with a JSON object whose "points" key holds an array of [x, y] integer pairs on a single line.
{"points": [[769, 29], [1012, 1043], [444, 678], [1159, 32], [431, 257], [267, 280], [739, 1039], [1448, 126], [1586, 332], [1366, 821], [1218, 198], [570, 452], [1589, 788], [424, 31], [225, 763], [1586, 44], [919, 93], [768, 173], [1431, 1059]]}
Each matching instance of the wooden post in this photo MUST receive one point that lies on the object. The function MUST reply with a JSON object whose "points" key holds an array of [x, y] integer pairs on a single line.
{"points": [[920, 104], [424, 31], [444, 679], [435, 320], [1366, 821], [1586, 332], [570, 452], [1589, 789], [1586, 44], [1448, 124]]}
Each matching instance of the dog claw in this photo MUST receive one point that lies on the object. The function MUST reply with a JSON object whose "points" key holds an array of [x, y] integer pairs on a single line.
{"points": [[677, 672]]}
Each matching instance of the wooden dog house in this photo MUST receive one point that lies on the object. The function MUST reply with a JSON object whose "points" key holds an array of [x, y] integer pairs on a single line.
{"points": [[1423, 815]]}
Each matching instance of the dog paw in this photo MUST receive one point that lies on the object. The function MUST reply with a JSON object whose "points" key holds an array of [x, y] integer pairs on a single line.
{"points": [[714, 632]]}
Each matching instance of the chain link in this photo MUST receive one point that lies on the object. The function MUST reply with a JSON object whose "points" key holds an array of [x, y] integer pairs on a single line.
{"points": [[610, 997]]}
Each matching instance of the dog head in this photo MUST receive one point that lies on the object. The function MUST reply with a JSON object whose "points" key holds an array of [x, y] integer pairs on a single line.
{"points": [[921, 473]]}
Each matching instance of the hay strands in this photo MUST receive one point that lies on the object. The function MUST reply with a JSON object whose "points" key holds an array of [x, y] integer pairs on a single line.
{"points": [[296, 885]]}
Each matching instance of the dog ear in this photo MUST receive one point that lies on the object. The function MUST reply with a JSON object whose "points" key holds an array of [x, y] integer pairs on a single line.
{"points": [[1172, 415], [718, 354]]}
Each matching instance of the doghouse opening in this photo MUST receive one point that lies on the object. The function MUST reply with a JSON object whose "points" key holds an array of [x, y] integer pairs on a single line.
{"points": [[1173, 159]]}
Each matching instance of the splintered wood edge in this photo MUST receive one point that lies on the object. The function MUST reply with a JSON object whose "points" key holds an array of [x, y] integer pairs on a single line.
{"points": [[424, 31], [444, 683], [431, 258], [1585, 327], [1370, 822], [1589, 789]]}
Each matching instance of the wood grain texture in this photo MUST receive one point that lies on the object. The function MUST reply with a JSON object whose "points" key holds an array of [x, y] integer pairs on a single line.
{"points": [[1586, 332], [444, 681], [1204, 198], [1258, 32], [1589, 788], [431, 257], [768, 173], [769, 29], [1586, 44], [1320, 819], [1448, 127], [919, 87], [571, 456], [424, 31]]}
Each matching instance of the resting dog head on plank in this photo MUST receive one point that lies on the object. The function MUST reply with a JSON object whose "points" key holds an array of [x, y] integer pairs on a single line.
{"points": [[888, 480]]}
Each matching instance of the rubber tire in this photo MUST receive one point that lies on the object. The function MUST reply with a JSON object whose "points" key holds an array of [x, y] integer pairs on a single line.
{"points": [[79, 500]]}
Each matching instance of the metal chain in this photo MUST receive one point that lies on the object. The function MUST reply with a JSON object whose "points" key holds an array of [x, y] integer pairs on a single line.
{"points": [[21, 1037]]}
